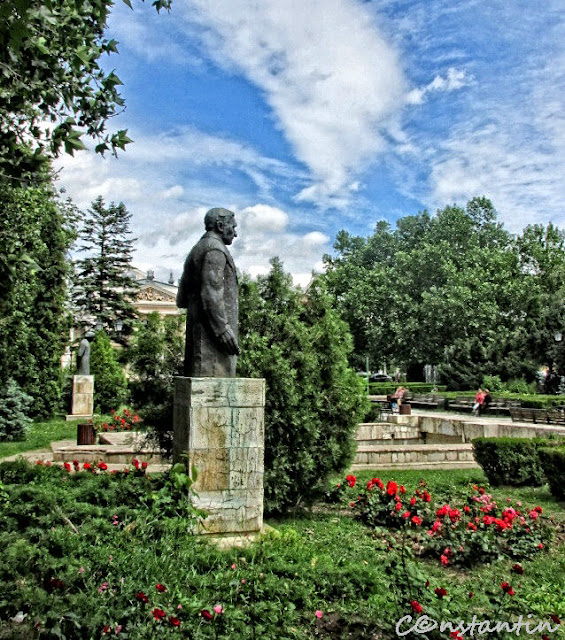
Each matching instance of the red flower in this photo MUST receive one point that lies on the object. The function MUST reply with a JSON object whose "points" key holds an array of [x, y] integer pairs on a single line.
{"points": [[427, 497], [417, 520], [406, 514], [545, 637], [398, 506], [87, 466], [441, 592], [206, 615], [158, 614], [555, 618], [517, 568], [456, 635], [174, 622], [144, 465], [391, 488], [416, 606], [351, 480], [56, 583], [103, 466], [135, 463], [402, 489], [67, 466], [444, 560], [538, 509], [106, 629], [413, 501], [471, 526], [507, 588], [142, 597], [161, 587]]}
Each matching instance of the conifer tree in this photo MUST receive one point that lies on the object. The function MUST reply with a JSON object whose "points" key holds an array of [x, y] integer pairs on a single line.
{"points": [[104, 288]]}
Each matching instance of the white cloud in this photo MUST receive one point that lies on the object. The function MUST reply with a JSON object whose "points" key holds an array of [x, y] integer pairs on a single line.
{"points": [[172, 192], [455, 79], [262, 217], [330, 77]]}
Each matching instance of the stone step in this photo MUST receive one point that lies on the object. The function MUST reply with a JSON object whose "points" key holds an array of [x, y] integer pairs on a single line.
{"points": [[414, 456]]}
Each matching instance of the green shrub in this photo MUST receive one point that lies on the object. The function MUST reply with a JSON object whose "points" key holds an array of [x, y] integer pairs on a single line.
{"points": [[521, 386], [14, 409], [493, 383], [553, 463], [110, 383], [314, 400], [156, 355], [511, 461]]}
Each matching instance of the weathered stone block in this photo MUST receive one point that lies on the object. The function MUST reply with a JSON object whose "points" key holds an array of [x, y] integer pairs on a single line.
{"points": [[219, 425], [83, 395]]}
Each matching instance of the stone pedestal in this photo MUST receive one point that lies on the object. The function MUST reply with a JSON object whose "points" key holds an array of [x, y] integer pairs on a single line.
{"points": [[83, 398], [219, 428]]}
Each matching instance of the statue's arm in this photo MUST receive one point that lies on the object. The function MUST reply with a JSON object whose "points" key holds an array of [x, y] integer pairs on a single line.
{"points": [[212, 293], [81, 349]]}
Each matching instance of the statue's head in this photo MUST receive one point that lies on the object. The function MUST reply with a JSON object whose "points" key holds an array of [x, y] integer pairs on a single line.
{"points": [[223, 222]]}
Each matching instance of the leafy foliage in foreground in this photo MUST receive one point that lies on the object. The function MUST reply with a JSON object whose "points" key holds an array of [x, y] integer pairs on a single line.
{"points": [[50, 73], [314, 400]]}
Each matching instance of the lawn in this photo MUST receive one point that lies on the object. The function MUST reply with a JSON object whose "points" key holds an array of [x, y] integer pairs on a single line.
{"points": [[40, 436], [88, 554]]}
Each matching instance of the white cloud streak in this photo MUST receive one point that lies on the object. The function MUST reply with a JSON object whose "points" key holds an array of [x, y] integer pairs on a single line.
{"points": [[332, 80]]}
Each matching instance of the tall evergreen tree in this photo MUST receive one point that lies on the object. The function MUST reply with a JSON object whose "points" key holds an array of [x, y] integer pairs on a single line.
{"points": [[104, 288], [35, 235]]}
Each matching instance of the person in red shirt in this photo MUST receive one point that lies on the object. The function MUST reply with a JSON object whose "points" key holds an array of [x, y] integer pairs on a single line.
{"points": [[479, 400]]}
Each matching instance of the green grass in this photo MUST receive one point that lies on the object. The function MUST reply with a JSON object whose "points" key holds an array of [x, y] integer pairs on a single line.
{"points": [[40, 436]]}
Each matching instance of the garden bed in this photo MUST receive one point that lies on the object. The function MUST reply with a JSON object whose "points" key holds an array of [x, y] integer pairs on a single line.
{"points": [[87, 554]]}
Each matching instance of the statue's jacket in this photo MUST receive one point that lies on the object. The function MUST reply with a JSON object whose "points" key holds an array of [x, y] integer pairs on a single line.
{"points": [[208, 290]]}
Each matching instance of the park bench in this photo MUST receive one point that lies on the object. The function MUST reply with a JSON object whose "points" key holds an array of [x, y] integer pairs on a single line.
{"points": [[427, 400], [499, 405], [555, 415], [462, 403]]}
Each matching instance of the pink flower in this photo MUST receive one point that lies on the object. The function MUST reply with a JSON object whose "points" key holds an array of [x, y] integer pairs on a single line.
{"points": [[444, 560], [118, 629], [318, 614], [233, 566], [219, 609], [103, 587]]}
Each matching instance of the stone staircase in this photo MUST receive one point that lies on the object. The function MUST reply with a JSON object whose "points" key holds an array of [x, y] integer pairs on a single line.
{"points": [[400, 444], [117, 450]]}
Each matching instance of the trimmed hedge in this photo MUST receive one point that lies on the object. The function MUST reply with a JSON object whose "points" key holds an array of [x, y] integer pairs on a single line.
{"points": [[512, 461], [553, 463], [387, 388]]}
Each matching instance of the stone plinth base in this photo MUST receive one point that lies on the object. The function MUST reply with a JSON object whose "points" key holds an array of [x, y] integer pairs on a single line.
{"points": [[219, 428], [83, 398]]}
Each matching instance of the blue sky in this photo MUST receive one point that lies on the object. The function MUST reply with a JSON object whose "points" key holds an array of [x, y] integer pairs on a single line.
{"points": [[310, 116]]}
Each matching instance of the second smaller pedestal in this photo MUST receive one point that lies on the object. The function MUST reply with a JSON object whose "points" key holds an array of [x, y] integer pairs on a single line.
{"points": [[83, 398]]}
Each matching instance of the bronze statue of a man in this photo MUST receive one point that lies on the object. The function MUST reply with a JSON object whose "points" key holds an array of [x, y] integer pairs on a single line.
{"points": [[83, 355], [208, 291]]}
